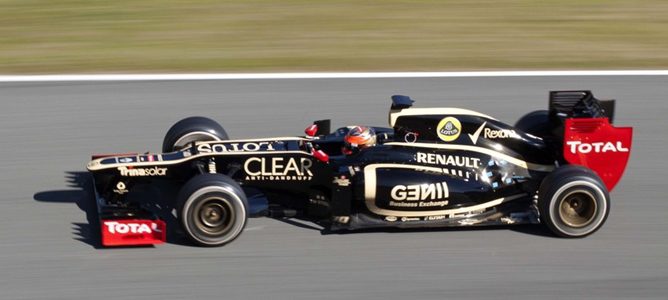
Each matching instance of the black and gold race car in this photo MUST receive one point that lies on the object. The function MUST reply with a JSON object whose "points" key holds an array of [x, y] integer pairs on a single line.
{"points": [[431, 167]]}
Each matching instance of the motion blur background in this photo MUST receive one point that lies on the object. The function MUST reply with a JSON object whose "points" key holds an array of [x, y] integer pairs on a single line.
{"points": [[121, 36]]}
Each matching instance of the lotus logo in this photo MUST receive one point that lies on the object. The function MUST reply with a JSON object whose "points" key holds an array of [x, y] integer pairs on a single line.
{"points": [[449, 129]]}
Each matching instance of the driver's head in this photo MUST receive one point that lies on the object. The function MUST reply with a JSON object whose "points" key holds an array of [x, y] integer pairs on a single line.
{"points": [[358, 137]]}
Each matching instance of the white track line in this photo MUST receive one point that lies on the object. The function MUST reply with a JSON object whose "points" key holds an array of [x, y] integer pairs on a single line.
{"points": [[229, 76]]}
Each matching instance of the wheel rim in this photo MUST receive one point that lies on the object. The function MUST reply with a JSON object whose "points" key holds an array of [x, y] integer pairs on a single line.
{"points": [[214, 216], [578, 209]]}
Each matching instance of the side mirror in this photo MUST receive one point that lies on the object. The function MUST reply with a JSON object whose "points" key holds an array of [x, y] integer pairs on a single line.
{"points": [[320, 155], [311, 130]]}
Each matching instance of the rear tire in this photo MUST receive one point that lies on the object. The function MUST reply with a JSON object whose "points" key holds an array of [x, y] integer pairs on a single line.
{"points": [[573, 202], [212, 209], [192, 129]]}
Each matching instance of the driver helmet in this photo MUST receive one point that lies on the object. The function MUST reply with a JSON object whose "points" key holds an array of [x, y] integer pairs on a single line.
{"points": [[357, 138]]}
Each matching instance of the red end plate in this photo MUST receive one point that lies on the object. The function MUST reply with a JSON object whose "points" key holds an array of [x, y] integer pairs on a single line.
{"points": [[133, 232], [595, 144]]}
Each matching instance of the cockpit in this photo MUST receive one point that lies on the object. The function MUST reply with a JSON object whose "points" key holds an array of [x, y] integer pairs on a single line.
{"points": [[334, 143]]}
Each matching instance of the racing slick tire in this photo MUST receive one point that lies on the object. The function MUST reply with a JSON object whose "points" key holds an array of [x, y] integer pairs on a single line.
{"points": [[192, 129], [536, 123], [212, 209], [573, 202]]}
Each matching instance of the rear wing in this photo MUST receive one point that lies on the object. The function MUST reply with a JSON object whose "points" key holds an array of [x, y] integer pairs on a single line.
{"points": [[589, 138], [579, 104]]}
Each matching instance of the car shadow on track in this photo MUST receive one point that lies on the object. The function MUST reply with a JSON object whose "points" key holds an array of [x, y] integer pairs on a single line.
{"points": [[530, 229], [81, 193]]}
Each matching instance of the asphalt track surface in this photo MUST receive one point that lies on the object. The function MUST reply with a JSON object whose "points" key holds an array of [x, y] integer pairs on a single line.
{"points": [[48, 250]]}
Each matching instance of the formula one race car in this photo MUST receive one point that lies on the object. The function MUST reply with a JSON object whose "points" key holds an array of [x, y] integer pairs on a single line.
{"points": [[432, 167]]}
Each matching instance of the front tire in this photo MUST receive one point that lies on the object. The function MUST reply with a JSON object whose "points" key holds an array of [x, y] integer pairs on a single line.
{"points": [[192, 129], [212, 209], [573, 202]]}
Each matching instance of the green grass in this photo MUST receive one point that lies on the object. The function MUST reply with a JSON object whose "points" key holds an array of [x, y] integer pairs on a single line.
{"points": [[94, 36]]}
